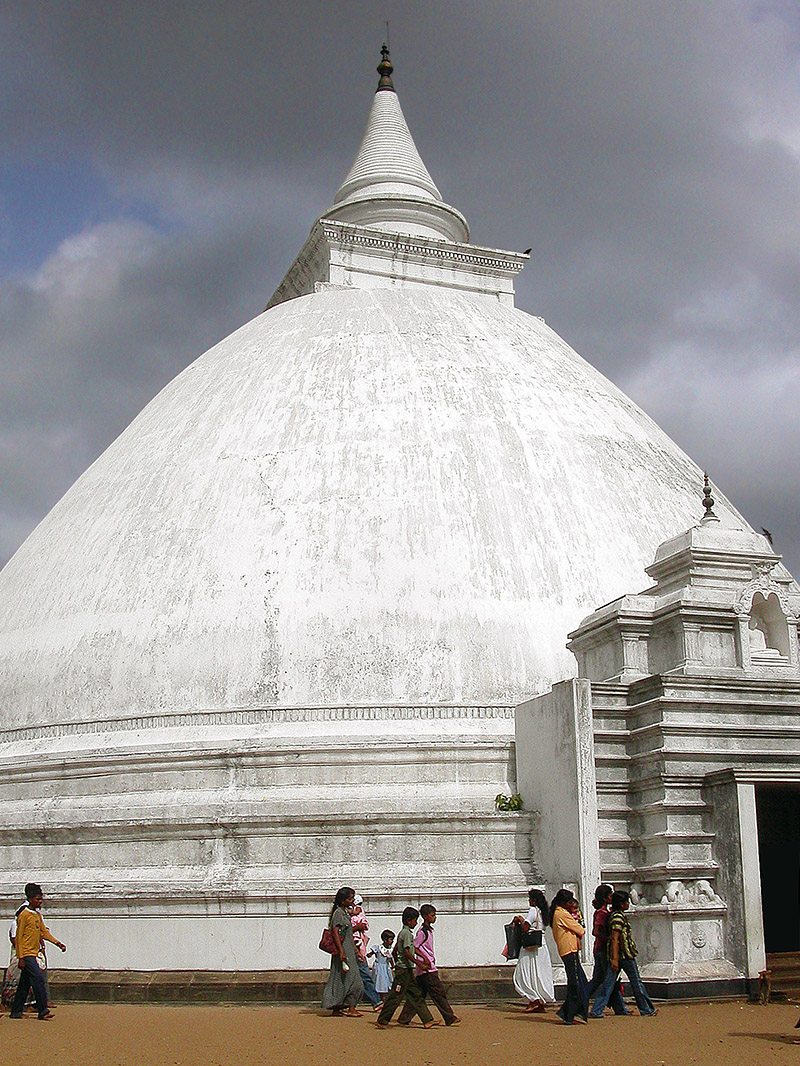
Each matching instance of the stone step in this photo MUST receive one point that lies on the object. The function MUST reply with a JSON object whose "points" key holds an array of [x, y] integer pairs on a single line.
{"points": [[269, 831], [661, 873], [783, 962], [785, 967], [289, 887], [616, 854], [267, 807], [467, 984], [464, 984], [306, 764], [789, 983]]}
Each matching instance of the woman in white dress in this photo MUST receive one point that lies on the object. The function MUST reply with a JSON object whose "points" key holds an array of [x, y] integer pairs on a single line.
{"points": [[533, 977]]}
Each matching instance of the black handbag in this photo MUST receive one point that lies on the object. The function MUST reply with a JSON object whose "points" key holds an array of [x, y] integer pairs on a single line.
{"points": [[513, 940], [532, 939]]}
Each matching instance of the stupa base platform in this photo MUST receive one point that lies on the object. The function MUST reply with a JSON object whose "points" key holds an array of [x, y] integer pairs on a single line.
{"points": [[465, 984]]}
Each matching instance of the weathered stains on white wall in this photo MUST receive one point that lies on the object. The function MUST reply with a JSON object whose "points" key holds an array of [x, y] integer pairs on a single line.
{"points": [[358, 497], [556, 779]]}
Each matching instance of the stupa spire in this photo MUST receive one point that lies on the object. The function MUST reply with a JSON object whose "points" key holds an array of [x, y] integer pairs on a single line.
{"points": [[385, 69], [390, 227], [388, 186]]}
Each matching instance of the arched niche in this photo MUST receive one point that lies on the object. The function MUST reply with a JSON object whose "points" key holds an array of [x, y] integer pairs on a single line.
{"points": [[767, 627]]}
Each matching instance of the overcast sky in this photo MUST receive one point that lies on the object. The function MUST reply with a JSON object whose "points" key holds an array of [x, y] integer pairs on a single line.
{"points": [[161, 163]]}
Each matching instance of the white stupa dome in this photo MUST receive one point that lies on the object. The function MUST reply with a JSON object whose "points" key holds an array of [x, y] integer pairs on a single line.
{"points": [[391, 486], [359, 497]]}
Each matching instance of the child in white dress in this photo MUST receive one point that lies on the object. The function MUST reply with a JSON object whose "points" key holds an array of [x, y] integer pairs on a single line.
{"points": [[382, 970]]}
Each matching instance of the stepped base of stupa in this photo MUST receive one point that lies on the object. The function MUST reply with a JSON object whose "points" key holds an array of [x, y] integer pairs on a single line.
{"points": [[464, 984], [216, 840]]}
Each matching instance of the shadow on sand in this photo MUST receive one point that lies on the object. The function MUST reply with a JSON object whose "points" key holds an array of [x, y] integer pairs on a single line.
{"points": [[770, 1038]]}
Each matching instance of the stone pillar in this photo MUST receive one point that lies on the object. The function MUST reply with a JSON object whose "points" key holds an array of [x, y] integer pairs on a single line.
{"points": [[556, 780], [739, 877]]}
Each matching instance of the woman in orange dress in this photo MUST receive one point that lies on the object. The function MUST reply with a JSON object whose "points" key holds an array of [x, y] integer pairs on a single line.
{"points": [[568, 933]]}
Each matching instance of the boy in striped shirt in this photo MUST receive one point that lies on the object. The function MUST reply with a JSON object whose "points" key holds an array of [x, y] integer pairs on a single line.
{"points": [[622, 954]]}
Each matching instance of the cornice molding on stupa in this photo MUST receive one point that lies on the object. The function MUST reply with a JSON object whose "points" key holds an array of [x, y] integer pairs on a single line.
{"points": [[342, 254], [488, 258], [226, 718], [111, 893]]}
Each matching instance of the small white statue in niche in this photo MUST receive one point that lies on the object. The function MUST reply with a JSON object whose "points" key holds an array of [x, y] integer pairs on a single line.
{"points": [[766, 628], [758, 634]]}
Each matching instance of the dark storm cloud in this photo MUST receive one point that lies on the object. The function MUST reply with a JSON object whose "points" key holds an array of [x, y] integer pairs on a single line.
{"points": [[649, 153]]}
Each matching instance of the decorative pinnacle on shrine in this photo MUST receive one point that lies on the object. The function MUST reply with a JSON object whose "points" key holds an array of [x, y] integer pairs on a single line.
{"points": [[708, 502]]}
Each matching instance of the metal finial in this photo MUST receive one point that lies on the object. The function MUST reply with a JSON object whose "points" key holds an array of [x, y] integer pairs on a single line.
{"points": [[708, 502], [385, 69]]}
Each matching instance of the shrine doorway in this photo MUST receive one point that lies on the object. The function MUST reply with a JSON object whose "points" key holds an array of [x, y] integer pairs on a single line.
{"points": [[778, 816]]}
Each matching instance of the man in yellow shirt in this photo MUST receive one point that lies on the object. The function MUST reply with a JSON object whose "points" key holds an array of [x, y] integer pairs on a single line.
{"points": [[31, 931]]}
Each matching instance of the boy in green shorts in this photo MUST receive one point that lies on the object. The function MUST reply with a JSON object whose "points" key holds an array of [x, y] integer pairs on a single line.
{"points": [[404, 987]]}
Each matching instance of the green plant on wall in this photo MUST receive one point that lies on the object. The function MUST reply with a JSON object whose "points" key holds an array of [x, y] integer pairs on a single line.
{"points": [[508, 803]]}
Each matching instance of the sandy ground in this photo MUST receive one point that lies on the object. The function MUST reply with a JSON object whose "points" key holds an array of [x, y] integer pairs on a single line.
{"points": [[124, 1035]]}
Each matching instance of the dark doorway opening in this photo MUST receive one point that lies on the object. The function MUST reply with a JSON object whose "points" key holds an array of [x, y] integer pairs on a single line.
{"points": [[778, 813]]}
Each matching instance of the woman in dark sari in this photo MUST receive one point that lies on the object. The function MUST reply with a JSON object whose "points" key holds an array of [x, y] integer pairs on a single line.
{"points": [[345, 987]]}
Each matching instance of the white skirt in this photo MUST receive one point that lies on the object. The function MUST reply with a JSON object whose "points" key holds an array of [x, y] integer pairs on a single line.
{"points": [[533, 977]]}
